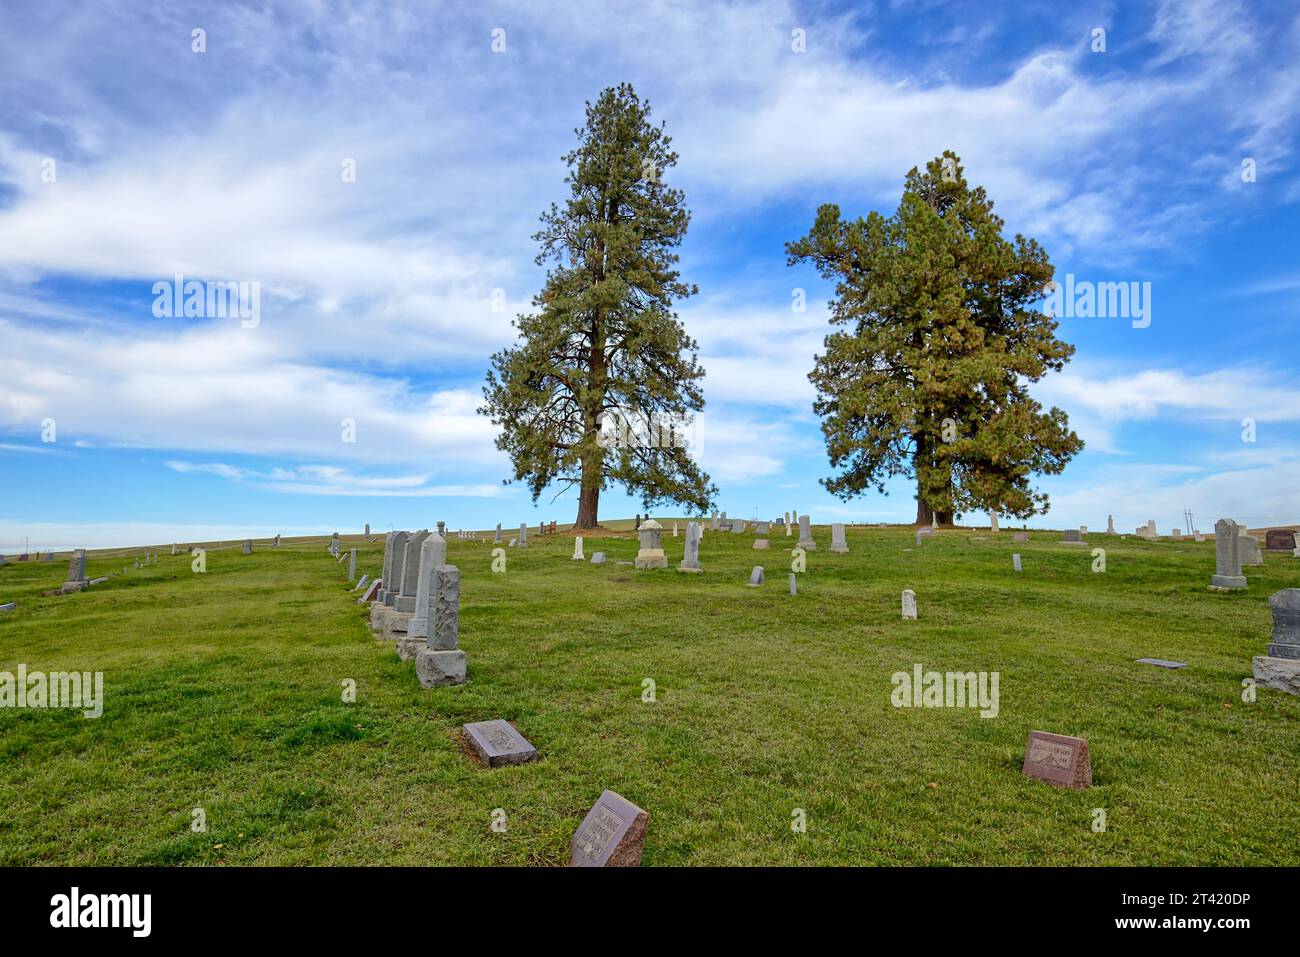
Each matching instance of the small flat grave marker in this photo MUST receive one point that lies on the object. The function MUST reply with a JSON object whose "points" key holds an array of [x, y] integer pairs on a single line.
{"points": [[1162, 663], [497, 743], [1058, 759], [611, 835]]}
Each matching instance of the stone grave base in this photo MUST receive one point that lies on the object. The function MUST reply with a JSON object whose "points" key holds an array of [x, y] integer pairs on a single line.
{"points": [[1280, 674], [395, 627], [692, 571], [839, 551], [437, 668], [652, 559], [408, 648], [1227, 582]]}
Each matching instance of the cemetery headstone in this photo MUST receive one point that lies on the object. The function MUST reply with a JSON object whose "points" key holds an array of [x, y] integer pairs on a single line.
{"points": [[794, 584], [651, 553], [1015, 562], [691, 553], [352, 565], [909, 604], [805, 534], [497, 539], [248, 546], [1020, 536], [1280, 540], [523, 534], [1071, 536], [410, 580], [1057, 759], [756, 576], [1227, 557], [1162, 663], [1279, 668], [611, 835], [1249, 549], [442, 662], [497, 743], [577, 550], [839, 545], [393, 574], [1110, 524], [598, 558], [360, 586]]}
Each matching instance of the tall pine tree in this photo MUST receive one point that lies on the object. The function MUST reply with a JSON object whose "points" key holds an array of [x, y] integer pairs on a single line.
{"points": [[926, 374], [603, 346]]}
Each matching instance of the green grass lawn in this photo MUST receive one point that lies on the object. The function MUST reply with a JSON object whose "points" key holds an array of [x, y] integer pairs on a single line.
{"points": [[223, 691]]}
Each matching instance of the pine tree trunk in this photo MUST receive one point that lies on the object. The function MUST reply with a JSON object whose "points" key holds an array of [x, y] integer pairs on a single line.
{"points": [[588, 496], [924, 514]]}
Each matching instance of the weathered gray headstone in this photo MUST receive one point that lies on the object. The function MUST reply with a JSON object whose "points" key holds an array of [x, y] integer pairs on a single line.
{"points": [[1015, 562], [794, 584], [1110, 524], [248, 546], [909, 604], [1227, 556], [611, 835], [598, 558], [433, 555], [993, 521], [497, 743], [8, 606], [805, 534], [1071, 536], [359, 586], [756, 576], [838, 543], [1280, 668], [578, 556], [352, 565], [691, 553], [77, 578], [410, 580], [1248, 549], [523, 535], [497, 539], [393, 574], [442, 662]]}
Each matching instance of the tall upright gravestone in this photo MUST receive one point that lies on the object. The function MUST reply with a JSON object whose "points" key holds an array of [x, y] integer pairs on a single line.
{"points": [[1227, 557], [1248, 548], [393, 579], [433, 555], [838, 544], [523, 534], [410, 580], [441, 662], [805, 534], [691, 554]]}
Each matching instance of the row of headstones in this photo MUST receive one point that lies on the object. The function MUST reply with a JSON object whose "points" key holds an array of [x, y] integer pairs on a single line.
{"points": [[613, 832], [416, 603], [43, 556]]}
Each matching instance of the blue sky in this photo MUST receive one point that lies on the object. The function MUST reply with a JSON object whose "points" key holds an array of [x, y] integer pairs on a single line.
{"points": [[376, 295]]}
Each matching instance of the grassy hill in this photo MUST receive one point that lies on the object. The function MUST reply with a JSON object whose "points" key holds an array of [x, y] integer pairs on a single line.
{"points": [[224, 692]]}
